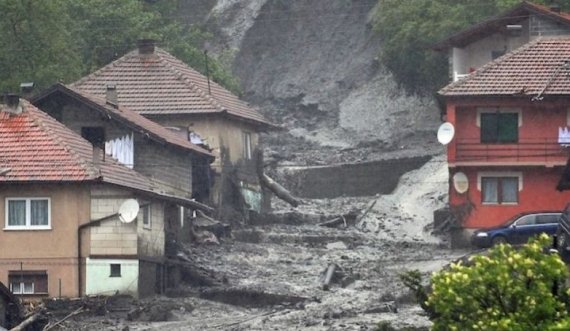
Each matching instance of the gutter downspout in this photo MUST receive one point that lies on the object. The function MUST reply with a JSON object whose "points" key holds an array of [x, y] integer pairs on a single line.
{"points": [[81, 227]]}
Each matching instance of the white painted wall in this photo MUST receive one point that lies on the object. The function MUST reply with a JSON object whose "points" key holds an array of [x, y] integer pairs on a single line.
{"points": [[478, 53], [99, 282]]}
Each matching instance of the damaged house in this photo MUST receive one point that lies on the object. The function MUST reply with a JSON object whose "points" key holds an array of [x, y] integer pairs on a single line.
{"points": [[60, 200], [162, 88], [175, 165]]}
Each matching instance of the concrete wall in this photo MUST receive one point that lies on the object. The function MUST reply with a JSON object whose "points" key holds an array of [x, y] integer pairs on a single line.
{"points": [[111, 237], [99, 281], [218, 132], [537, 192], [151, 239], [364, 179], [170, 168], [225, 138], [53, 251]]}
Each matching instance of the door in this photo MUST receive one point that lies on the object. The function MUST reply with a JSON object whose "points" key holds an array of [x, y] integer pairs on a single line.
{"points": [[523, 229]]}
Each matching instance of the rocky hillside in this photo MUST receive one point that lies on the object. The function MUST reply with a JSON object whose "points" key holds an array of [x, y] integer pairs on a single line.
{"points": [[312, 65]]}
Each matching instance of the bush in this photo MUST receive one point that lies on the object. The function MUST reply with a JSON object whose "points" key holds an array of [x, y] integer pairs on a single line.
{"points": [[509, 289]]}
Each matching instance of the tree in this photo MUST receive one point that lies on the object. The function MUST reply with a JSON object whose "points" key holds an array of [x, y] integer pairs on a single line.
{"points": [[62, 40], [35, 44], [409, 28], [508, 289]]}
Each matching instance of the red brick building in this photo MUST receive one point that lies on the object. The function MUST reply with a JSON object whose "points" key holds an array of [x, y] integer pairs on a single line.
{"points": [[510, 118]]}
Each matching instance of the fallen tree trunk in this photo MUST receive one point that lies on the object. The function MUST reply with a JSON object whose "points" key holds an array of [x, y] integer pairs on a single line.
{"points": [[329, 276], [281, 192], [28, 321]]}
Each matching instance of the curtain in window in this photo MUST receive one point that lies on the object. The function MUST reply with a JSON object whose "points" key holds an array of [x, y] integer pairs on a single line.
{"points": [[17, 212], [489, 189], [39, 212], [509, 189]]}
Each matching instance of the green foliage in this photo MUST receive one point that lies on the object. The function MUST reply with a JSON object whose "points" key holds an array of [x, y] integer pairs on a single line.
{"points": [[509, 289], [62, 40], [34, 44], [409, 28]]}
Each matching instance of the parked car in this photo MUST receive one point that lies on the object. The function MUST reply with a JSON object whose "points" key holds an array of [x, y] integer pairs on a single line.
{"points": [[518, 229]]}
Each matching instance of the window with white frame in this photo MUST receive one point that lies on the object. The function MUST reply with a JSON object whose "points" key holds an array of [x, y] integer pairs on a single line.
{"points": [[499, 125], [28, 282], [500, 190], [28, 213], [247, 146]]}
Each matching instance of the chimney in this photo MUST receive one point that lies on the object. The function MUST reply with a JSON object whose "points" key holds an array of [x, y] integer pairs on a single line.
{"points": [[555, 8], [111, 95], [146, 46], [12, 102], [26, 88]]}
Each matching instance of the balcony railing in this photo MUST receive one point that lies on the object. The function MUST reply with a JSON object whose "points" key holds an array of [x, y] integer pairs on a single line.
{"points": [[535, 151]]}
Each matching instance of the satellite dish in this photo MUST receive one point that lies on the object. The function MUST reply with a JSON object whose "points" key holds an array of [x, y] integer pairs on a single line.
{"points": [[445, 133], [460, 182], [128, 211]]}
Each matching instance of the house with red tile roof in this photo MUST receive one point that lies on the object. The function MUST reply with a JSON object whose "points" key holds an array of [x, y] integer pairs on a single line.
{"points": [[63, 234], [180, 167], [512, 141], [483, 42], [162, 88]]}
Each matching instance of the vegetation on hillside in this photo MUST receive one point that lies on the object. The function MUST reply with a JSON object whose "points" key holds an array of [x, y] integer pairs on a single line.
{"points": [[62, 40], [409, 28], [507, 289]]}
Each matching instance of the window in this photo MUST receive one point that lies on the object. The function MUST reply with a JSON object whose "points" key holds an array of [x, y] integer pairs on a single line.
{"points": [[526, 220], [115, 270], [95, 135], [499, 128], [146, 216], [547, 218], [499, 190], [247, 147], [28, 213], [28, 282]]}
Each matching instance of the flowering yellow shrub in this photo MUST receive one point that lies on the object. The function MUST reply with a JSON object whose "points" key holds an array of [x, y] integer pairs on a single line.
{"points": [[509, 289]]}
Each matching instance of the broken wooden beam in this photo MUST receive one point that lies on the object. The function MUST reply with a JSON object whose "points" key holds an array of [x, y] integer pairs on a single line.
{"points": [[333, 223]]}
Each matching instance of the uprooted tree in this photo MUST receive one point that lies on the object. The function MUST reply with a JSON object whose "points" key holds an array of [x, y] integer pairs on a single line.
{"points": [[507, 289]]}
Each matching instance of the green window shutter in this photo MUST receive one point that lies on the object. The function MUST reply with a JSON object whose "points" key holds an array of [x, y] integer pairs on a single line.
{"points": [[508, 128], [489, 127]]}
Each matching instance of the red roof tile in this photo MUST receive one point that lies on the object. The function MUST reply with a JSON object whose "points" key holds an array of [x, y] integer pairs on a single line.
{"points": [[37, 148], [498, 23], [126, 116], [539, 67], [160, 84]]}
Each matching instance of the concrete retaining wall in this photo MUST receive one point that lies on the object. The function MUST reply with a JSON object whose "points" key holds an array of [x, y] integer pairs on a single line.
{"points": [[362, 179]]}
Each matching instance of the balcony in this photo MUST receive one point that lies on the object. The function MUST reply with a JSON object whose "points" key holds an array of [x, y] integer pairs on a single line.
{"points": [[548, 152]]}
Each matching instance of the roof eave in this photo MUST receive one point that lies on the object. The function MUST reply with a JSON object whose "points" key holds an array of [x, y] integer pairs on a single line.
{"points": [[58, 87]]}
